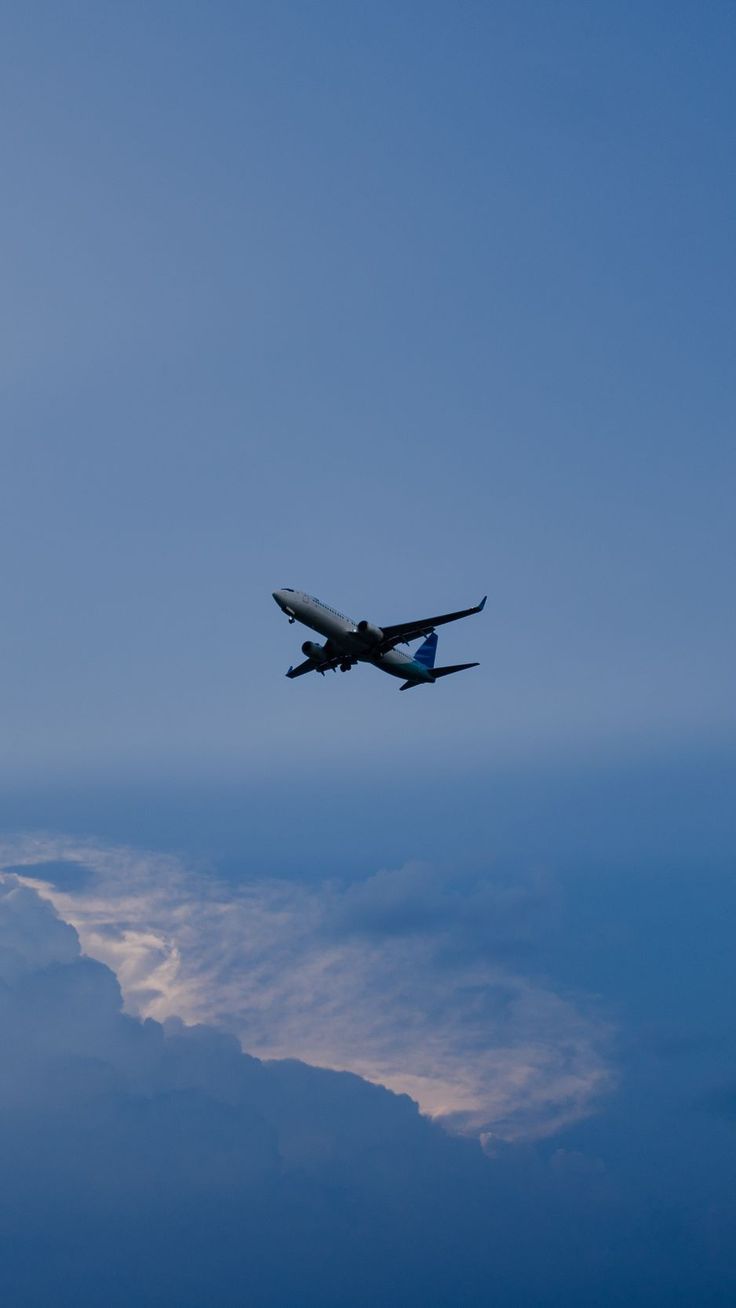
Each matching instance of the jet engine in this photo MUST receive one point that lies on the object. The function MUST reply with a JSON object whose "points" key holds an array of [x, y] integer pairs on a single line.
{"points": [[317, 653], [369, 632]]}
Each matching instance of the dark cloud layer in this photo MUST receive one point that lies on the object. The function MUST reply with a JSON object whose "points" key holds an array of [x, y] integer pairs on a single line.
{"points": [[415, 978], [157, 1164], [161, 1165]]}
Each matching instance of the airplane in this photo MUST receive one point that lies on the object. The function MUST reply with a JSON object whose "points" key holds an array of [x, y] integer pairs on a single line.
{"points": [[351, 642]]}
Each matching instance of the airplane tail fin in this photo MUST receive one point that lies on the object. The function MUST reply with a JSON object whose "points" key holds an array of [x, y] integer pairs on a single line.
{"points": [[456, 667], [426, 656], [427, 652]]}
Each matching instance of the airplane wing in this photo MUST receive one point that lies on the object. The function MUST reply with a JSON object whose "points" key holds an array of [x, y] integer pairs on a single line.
{"points": [[310, 666], [406, 631]]}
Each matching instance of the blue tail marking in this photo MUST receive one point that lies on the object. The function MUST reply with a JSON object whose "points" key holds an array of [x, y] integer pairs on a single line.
{"points": [[426, 652]]}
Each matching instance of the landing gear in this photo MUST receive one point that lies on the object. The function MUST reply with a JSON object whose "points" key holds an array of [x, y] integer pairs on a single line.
{"points": [[345, 667], [292, 621]]}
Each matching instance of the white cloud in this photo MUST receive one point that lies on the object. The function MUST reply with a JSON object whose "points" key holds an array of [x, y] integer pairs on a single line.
{"points": [[156, 1164], [406, 978]]}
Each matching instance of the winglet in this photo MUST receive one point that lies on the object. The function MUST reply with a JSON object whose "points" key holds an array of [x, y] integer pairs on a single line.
{"points": [[482, 604]]}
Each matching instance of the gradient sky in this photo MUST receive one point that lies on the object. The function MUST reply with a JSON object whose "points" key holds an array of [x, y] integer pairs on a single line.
{"points": [[398, 304]]}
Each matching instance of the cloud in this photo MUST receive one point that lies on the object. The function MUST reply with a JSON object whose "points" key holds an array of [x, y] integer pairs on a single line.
{"points": [[158, 1164], [412, 979]]}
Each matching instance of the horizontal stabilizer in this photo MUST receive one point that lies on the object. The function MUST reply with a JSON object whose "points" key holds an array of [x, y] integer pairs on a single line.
{"points": [[456, 667], [440, 672]]}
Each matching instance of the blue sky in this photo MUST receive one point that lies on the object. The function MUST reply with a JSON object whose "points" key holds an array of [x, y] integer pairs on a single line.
{"points": [[401, 305], [397, 308]]}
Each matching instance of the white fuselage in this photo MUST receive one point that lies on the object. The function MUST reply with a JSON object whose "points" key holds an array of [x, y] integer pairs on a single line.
{"points": [[344, 638]]}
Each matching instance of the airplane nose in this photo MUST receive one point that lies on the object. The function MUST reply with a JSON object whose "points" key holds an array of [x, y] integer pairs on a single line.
{"points": [[277, 596]]}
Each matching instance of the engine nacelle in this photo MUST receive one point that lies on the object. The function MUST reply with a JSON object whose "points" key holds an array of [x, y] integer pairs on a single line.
{"points": [[369, 632], [317, 653]]}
